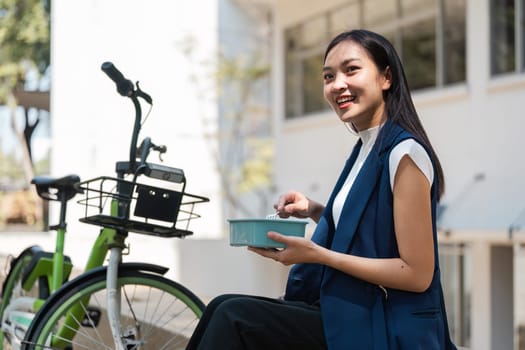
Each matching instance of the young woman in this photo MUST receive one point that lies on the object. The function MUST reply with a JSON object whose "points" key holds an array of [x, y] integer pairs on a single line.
{"points": [[369, 277]]}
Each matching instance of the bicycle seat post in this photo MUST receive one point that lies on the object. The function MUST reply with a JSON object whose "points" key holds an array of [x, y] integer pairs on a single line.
{"points": [[63, 209], [58, 256]]}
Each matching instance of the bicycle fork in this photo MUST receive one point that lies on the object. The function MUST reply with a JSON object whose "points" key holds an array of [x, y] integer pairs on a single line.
{"points": [[113, 296], [123, 339]]}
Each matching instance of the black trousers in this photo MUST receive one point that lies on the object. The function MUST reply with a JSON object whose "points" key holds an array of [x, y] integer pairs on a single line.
{"points": [[240, 322]]}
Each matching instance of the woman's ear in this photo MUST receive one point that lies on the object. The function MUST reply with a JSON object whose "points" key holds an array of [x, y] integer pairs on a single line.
{"points": [[387, 79]]}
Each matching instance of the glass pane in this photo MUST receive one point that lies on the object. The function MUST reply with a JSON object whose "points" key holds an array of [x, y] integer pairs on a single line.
{"points": [[522, 31], [454, 41], [292, 39], [449, 265], [502, 36], [344, 19], [313, 100], [391, 36], [292, 90], [314, 32], [455, 265], [377, 12], [413, 7], [419, 54], [292, 74]]}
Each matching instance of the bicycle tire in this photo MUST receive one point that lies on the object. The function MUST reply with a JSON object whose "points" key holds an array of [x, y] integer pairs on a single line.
{"points": [[12, 289], [163, 315]]}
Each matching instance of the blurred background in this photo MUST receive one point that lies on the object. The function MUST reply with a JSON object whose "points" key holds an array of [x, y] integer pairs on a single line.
{"points": [[237, 100]]}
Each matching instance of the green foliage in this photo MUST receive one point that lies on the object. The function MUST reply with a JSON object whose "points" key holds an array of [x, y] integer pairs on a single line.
{"points": [[245, 129], [10, 168], [257, 169], [244, 158], [234, 69], [24, 41], [25, 32], [43, 166]]}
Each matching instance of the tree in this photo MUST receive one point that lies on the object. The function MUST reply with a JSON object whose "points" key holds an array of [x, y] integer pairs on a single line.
{"points": [[24, 47], [244, 147]]}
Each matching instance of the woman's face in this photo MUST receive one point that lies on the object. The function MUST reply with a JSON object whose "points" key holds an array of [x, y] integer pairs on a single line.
{"points": [[353, 86]]}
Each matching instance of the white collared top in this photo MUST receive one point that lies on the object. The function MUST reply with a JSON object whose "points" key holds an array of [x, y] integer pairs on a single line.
{"points": [[407, 147]]}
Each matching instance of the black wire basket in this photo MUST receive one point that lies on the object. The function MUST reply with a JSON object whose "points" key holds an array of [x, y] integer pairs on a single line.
{"points": [[142, 208]]}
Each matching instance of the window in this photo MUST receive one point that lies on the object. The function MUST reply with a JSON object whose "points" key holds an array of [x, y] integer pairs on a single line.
{"points": [[521, 33], [454, 40], [379, 11], [303, 88], [429, 35], [418, 47], [455, 261], [507, 38]]}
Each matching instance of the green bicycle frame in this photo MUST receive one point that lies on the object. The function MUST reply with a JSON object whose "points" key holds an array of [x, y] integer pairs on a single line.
{"points": [[55, 269]]}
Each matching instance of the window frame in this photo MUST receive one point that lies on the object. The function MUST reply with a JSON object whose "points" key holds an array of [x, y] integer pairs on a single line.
{"points": [[518, 44], [295, 97]]}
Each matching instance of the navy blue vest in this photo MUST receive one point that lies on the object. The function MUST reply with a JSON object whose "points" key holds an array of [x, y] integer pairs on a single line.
{"points": [[357, 314]]}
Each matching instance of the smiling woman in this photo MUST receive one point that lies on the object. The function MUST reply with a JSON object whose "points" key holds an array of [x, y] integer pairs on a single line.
{"points": [[369, 277]]}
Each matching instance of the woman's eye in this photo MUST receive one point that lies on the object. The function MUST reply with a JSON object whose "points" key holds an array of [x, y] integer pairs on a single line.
{"points": [[328, 76], [351, 69]]}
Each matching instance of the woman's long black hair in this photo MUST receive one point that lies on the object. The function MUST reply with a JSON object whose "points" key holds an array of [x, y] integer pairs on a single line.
{"points": [[399, 105]]}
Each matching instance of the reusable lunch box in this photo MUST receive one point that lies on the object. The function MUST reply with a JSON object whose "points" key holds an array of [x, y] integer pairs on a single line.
{"points": [[253, 232]]}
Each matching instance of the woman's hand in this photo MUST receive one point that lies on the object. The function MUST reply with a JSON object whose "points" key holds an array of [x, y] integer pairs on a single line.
{"points": [[298, 250], [296, 204]]}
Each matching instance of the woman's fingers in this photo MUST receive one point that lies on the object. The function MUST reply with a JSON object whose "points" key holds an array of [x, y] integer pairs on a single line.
{"points": [[274, 236], [265, 252]]}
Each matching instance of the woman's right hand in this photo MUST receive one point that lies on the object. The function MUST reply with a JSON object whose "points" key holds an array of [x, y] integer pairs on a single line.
{"points": [[296, 204]]}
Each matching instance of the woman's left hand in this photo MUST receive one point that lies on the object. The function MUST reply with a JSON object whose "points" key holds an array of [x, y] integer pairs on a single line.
{"points": [[298, 250]]}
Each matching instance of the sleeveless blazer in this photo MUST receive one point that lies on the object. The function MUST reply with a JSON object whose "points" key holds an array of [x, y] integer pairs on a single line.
{"points": [[357, 314]]}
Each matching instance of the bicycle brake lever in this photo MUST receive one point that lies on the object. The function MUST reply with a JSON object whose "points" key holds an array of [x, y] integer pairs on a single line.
{"points": [[145, 96], [161, 149]]}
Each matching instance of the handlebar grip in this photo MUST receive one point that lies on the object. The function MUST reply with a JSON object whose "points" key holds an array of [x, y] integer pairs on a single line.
{"points": [[125, 86]]}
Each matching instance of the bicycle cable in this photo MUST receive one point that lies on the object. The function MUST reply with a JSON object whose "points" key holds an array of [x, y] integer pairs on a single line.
{"points": [[147, 115]]}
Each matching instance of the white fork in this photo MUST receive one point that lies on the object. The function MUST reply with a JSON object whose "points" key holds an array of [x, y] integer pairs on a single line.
{"points": [[273, 216]]}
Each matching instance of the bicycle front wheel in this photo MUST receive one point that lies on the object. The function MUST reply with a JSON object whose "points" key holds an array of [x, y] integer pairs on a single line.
{"points": [[156, 314]]}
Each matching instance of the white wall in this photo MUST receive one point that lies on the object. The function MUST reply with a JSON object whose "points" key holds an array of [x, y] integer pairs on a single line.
{"points": [[92, 123]]}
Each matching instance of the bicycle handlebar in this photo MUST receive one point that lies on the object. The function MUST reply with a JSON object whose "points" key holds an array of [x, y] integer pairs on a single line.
{"points": [[125, 86]]}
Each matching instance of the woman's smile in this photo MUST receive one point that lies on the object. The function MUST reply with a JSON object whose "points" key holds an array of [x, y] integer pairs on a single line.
{"points": [[345, 101]]}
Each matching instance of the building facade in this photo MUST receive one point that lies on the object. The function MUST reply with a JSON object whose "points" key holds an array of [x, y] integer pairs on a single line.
{"points": [[465, 64]]}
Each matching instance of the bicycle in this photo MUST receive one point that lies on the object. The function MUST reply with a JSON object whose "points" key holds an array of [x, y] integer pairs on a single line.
{"points": [[118, 305]]}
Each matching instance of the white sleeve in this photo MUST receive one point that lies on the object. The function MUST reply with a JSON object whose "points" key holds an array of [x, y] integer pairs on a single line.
{"points": [[417, 153]]}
